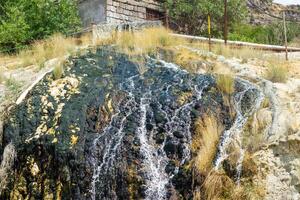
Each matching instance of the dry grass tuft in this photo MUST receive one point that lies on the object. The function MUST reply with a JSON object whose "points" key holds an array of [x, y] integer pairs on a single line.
{"points": [[249, 165], [184, 97], [243, 53], [85, 40], [205, 142], [187, 59], [217, 185], [254, 131], [12, 84], [144, 41], [225, 83], [58, 71], [277, 73], [54, 47]]}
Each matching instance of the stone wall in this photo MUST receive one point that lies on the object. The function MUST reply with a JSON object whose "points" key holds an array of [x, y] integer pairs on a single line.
{"points": [[92, 11], [129, 10], [104, 31], [116, 11]]}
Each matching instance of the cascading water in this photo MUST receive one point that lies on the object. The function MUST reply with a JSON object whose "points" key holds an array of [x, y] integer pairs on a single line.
{"points": [[147, 101], [125, 134], [153, 162], [233, 135]]}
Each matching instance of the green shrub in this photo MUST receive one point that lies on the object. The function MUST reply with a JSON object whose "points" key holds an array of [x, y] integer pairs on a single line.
{"points": [[29, 20], [265, 34], [12, 84]]}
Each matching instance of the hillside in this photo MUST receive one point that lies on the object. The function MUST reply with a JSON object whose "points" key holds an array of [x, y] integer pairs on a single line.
{"points": [[265, 12]]}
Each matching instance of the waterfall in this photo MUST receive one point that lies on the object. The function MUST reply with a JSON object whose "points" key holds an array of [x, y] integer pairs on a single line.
{"points": [[233, 135], [154, 160], [154, 94], [111, 139], [139, 103]]}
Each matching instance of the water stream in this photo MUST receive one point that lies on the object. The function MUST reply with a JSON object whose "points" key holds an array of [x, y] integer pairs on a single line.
{"points": [[151, 105], [233, 135]]}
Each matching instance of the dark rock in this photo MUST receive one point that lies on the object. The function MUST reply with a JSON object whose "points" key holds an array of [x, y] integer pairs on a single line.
{"points": [[93, 130], [178, 134]]}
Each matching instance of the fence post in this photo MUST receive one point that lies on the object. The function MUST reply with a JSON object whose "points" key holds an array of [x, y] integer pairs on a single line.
{"points": [[225, 22], [94, 33], [285, 36], [209, 32], [167, 18]]}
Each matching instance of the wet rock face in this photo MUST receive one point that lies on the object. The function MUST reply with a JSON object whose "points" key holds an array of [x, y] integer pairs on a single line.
{"points": [[105, 131]]}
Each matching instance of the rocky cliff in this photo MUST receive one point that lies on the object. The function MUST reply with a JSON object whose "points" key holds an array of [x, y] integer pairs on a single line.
{"points": [[265, 12], [115, 128]]}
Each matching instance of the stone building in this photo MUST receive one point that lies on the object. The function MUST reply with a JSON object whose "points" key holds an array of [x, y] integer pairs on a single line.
{"points": [[118, 11]]}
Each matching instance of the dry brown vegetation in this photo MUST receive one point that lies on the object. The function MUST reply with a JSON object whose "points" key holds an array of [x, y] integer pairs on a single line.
{"points": [[254, 130], [58, 71], [277, 72], [225, 83], [144, 41], [217, 185], [187, 59], [41, 51], [205, 141]]}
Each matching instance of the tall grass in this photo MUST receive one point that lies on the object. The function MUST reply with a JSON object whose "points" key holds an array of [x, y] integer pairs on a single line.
{"points": [[187, 59], [225, 83], [41, 51], [217, 185], [144, 41], [205, 141], [58, 71], [243, 53], [277, 72]]}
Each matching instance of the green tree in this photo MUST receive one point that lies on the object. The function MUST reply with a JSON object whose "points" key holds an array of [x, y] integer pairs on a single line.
{"points": [[190, 16], [23, 21], [13, 30]]}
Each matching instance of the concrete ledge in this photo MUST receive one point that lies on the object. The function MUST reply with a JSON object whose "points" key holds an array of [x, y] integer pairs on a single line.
{"points": [[102, 31], [239, 44]]}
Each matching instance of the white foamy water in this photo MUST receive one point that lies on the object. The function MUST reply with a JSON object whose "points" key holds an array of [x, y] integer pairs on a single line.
{"points": [[233, 135]]}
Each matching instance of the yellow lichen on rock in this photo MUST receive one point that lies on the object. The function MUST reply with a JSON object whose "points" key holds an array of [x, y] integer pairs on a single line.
{"points": [[74, 140], [184, 97]]}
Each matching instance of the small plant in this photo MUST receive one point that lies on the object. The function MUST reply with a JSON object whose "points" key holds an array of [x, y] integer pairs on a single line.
{"points": [[58, 71], [12, 84], [277, 73], [225, 83]]}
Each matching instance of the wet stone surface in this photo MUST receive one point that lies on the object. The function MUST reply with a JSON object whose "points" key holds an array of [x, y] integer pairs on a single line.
{"points": [[105, 131]]}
